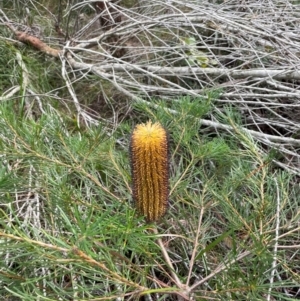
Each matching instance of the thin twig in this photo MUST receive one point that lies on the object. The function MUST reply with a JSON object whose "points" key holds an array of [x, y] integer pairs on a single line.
{"points": [[196, 243], [183, 293], [219, 269], [274, 262]]}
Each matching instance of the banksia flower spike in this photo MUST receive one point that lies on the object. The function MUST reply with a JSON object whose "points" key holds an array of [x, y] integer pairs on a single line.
{"points": [[150, 169]]}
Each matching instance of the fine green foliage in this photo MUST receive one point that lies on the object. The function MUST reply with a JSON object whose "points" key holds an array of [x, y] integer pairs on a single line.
{"points": [[68, 229]]}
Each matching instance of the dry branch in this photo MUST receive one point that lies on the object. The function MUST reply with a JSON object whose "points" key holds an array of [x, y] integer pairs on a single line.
{"points": [[34, 42], [198, 71]]}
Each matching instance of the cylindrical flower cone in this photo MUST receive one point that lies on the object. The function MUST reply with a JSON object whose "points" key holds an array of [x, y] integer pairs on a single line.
{"points": [[150, 169]]}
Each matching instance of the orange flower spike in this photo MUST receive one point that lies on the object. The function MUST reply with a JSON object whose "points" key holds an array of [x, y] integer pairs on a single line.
{"points": [[149, 150]]}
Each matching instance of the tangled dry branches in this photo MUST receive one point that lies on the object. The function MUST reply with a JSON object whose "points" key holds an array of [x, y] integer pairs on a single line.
{"points": [[249, 50]]}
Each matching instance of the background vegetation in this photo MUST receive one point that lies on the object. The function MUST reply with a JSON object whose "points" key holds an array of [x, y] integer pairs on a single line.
{"points": [[223, 79]]}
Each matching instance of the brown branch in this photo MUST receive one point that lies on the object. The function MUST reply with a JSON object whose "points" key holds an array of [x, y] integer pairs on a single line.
{"points": [[34, 42]]}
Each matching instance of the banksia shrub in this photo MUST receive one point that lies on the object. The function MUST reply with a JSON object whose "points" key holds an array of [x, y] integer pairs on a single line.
{"points": [[150, 169]]}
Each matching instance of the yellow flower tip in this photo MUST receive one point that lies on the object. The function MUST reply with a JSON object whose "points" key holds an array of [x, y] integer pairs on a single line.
{"points": [[150, 169], [149, 135]]}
